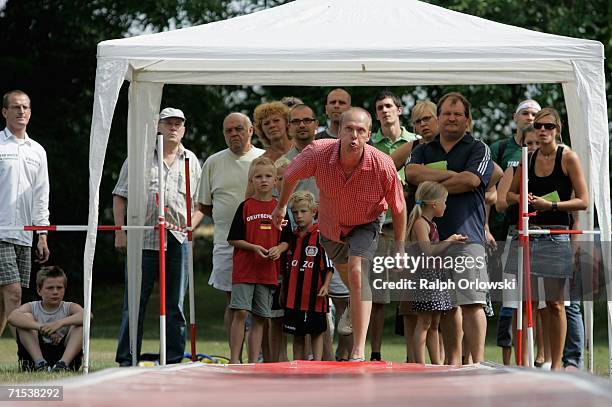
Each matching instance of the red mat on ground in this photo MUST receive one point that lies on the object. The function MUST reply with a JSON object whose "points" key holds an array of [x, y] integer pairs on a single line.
{"points": [[334, 384]]}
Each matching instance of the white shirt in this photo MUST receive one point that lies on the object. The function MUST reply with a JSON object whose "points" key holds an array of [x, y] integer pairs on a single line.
{"points": [[223, 185], [24, 186]]}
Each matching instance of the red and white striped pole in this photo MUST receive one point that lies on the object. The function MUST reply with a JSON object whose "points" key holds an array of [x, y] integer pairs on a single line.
{"points": [[524, 269], [192, 325], [519, 276], [526, 258], [162, 252]]}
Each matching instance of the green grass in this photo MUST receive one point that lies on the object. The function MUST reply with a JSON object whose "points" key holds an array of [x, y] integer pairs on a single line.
{"points": [[107, 303]]}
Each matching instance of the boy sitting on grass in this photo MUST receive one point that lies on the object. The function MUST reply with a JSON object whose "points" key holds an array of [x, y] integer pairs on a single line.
{"points": [[50, 331], [256, 265]]}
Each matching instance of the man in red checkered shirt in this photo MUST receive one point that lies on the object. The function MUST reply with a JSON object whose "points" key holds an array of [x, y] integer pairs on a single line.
{"points": [[357, 184]]}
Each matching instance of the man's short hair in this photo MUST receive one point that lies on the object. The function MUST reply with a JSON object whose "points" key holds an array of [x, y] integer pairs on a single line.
{"points": [[245, 118], [265, 110], [261, 162], [421, 108], [354, 110], [339, 90], [7, 96], [50, 272], [526, 104], [388, 94], [302, 106], [455, 97]]}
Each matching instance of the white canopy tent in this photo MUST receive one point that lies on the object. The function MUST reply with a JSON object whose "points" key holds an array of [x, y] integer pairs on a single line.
{"points": [[341, 43]]}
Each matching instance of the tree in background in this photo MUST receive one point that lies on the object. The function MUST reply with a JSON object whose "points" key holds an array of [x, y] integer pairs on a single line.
{"points": [[48, 50]]}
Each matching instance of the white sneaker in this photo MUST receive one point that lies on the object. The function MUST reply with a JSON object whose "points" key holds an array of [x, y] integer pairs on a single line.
{"points": [[345, 326]]}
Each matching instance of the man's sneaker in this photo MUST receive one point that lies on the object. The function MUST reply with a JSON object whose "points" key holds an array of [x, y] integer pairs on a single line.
{"points": [[60, 366], [41, 366], [345, 326]]}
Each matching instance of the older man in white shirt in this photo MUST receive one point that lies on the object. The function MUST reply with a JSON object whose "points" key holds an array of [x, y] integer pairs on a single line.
{"points": [[222, 187], [24, 188]]}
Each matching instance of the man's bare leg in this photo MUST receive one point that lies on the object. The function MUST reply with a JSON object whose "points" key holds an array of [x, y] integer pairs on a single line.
{"points": [[377, 322], [475, 330], [12, 300], [453, 335], [3, 316], [360, 309]]}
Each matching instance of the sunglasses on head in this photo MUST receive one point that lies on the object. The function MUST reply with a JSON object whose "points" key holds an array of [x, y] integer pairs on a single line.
{"points": [[547, 126]]}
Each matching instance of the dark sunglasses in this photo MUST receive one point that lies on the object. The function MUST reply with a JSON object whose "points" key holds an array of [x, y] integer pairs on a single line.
{"points": [[547, 126]]}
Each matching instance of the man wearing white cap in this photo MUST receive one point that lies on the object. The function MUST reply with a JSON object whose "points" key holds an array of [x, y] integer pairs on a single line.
{"points": [[172, 126], [507, 152]]}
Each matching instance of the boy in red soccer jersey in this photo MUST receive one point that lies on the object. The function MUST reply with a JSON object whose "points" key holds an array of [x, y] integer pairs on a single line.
{"points": [[256, 262], [306, 283]]}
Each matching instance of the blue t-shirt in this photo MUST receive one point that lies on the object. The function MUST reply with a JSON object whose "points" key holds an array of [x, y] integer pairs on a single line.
{"points": [[465, 212]]}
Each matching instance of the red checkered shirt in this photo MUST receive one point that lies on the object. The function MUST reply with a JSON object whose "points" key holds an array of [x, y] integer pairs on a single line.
{"points": [[346, 203]]}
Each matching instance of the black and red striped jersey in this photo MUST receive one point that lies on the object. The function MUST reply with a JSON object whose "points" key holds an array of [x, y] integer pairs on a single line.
{"points": [[308, 265]]}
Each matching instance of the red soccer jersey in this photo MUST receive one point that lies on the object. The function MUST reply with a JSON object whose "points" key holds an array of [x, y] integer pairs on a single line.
{"points": [[308, 266], [253, 223]]}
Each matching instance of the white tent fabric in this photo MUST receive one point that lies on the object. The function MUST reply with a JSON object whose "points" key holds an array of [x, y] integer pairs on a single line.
{"points": [[342, 43]]}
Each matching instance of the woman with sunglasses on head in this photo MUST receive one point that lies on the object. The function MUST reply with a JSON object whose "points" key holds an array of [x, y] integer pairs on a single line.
{"points": [[556, 187]]}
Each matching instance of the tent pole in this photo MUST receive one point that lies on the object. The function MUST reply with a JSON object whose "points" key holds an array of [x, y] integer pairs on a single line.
{"points": [[519, 274], [526, 258], [192, 325], [162, 253]]}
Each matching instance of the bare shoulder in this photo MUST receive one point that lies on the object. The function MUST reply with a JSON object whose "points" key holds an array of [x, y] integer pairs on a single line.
{"points": [[74, 308], [569, 155], [569, 159]]}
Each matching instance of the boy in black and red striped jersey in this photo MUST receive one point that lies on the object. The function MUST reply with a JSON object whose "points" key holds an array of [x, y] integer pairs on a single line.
{"points": [[306, 279], [256, 264]]}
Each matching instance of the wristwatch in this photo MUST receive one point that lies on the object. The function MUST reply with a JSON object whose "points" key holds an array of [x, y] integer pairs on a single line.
{"points": [[554, 206]]}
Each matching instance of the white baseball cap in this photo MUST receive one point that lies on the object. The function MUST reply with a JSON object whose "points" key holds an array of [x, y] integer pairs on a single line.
{"points": [[171, 112]]}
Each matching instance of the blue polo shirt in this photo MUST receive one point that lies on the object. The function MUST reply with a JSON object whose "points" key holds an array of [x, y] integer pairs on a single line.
{"points": [[465, 212]]}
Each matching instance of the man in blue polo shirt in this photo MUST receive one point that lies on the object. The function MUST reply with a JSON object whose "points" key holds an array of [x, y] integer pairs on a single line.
{"points": [[468, 170], [387, 139]]}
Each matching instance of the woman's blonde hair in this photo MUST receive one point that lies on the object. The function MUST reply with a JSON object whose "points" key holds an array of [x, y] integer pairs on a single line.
{"points": [[265, 110], [428, 193], [421, 108]]}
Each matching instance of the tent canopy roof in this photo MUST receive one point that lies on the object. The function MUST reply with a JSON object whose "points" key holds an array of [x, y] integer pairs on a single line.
{"points": [[318, 32]]}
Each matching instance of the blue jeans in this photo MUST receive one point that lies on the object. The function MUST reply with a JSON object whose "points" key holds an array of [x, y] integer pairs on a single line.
{"points": [[574, 340], [176, 286]]}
